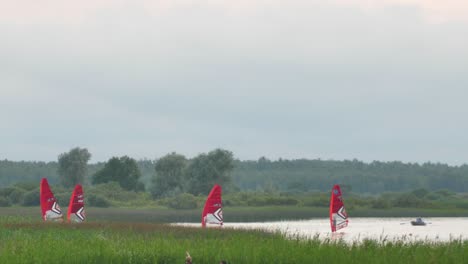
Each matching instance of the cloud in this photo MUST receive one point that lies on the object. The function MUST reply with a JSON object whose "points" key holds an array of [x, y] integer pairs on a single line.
{"points": [[433, 11], [281, 79], [79, 12]]}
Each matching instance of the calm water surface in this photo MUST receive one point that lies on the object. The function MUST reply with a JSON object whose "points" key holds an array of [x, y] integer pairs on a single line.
{"points": [[437, 229]]}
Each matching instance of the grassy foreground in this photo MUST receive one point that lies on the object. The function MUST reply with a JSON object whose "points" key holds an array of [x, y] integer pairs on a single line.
{"points": [[26, 241]]}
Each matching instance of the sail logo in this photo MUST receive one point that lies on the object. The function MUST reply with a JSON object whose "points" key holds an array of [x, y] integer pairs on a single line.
{"points": [[80, 214], [56, 208], [219, 214], [342, 213]]}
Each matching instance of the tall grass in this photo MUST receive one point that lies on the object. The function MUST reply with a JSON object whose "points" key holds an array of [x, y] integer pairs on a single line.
{"points": [[26, 241]]}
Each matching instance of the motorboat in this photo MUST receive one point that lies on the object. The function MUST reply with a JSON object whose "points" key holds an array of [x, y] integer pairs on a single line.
{"points": [[418, 222]]}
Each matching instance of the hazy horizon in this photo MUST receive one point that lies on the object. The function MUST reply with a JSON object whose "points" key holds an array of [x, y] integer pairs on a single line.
{"points": [[368, 80], [272, 160]]}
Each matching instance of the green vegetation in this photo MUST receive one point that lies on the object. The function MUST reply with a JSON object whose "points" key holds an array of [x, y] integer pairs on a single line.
{"points": [[123, 170], [176, 182], [205, 170], [419, 202], [168, 180], [72, 166], [25, 241], [284, 175]]}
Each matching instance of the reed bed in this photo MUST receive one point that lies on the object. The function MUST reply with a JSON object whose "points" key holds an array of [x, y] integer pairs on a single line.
{"points": [[31, 241]]}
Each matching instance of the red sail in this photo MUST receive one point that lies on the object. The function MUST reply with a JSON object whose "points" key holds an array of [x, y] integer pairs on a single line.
{"points": [[76, 211], [338, 215], [212, 212], [50, 209]]}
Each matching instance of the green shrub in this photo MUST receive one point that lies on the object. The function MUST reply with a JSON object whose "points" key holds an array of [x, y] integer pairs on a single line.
{"points": [[27, 186], [462, 205], [16, 196], [4, 202], [320, 201], [434, 196], [182, 201], [5, 192], [97, 201], [63, 198], [380, 203], [420, 193], [271, 200], [445, 192], [410, 200], [31, 198], [113, 192]]}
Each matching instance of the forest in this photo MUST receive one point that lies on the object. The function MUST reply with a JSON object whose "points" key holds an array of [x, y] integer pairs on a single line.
{"points": [[299, 175], [178, 182]]}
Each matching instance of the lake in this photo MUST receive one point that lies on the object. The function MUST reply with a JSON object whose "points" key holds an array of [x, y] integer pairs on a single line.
{"points": [[437, 229]]}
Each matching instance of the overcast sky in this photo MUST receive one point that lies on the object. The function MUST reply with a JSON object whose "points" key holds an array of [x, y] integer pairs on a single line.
{"points": [[343, 79]]}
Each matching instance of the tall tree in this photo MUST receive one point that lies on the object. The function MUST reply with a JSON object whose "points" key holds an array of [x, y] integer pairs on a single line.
{"points": [[168, 179], [207, 169], [72, 166], [123, 170]]}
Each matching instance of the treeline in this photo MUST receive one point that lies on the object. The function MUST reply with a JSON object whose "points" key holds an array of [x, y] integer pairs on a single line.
{"points": [[174, 176], [179, 174], [360, 177]]}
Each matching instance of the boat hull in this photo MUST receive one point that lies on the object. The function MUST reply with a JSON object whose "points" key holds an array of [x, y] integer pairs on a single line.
{"points": [[415, 223]]}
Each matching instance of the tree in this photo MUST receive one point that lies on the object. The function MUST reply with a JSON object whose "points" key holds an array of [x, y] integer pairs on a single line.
{"points": [[72, 166], [169, 176], [123, 170], [207, 169]]}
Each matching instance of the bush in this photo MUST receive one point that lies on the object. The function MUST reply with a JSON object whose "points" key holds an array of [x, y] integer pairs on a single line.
{"points": [[27, 186], [271, 200], [462, 205], [140, 187], [445, 192], [31, 198], [16, 196], [320, 201], [113, 192], [410, 200], [182, 201], [63, 199], [434, 196], [97, 201], [420, 193], [4, 202], [5, 192], [380, 203]]}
